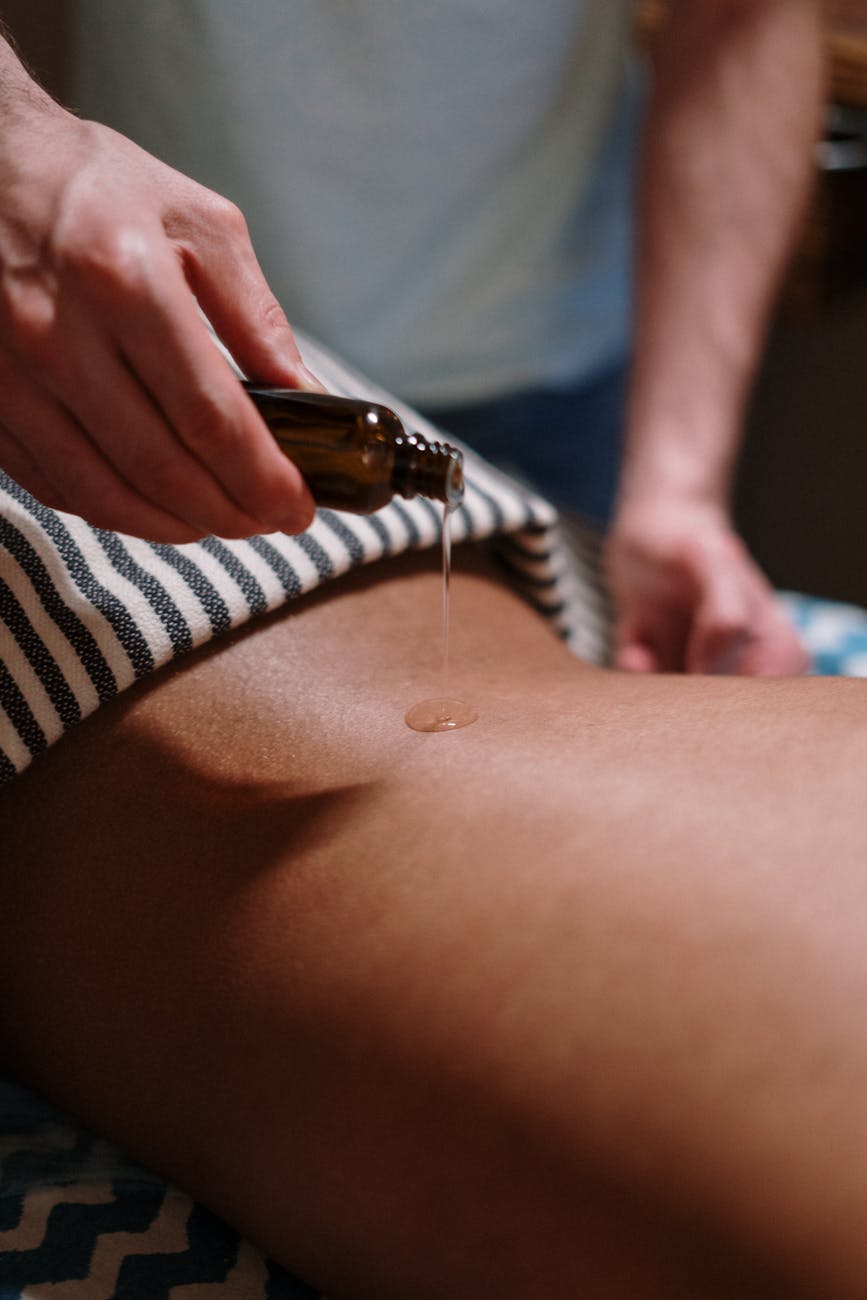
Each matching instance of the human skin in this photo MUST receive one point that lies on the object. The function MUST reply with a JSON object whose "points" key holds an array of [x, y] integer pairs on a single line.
{"points": [[726, 168], [114, 402], [114, 405], [569, 1002]]}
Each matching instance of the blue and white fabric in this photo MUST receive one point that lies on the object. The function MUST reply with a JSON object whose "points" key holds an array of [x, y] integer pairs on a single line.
{"points": [[833, 634]]}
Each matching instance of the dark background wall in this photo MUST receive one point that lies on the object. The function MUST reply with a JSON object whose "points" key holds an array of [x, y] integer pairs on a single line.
{"points": [[802, 494], [802, 489]]}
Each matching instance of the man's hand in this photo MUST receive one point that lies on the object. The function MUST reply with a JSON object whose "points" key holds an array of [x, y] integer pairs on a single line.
{"points": [[114, 402], [726, 167], [689, 598]]}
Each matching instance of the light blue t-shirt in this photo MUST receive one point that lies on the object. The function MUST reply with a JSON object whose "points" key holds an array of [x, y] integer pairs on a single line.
{"points": [[439, 189]]}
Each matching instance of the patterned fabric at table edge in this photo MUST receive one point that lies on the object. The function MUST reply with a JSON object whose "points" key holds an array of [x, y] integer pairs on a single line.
{"points": [[79, 1221], [833, 634]]}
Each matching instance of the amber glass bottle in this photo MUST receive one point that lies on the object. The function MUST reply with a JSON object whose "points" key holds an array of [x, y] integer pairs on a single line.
{"points": [[356, 455]]}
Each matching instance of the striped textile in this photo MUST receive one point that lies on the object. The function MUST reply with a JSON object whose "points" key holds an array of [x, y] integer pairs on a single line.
{"points": [[84, 612]]}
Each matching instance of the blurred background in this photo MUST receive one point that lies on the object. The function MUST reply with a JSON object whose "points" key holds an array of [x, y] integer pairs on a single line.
{"points": [[801, 496]]}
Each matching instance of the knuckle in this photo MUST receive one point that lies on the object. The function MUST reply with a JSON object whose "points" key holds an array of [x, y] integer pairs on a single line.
{"points": [[161, 475], [111, 263], [29, 315], [208, 427], [274, 320], [226, 215]]}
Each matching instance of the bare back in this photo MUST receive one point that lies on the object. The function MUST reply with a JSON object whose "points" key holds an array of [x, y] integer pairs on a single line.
{"points": [[593, 966]]}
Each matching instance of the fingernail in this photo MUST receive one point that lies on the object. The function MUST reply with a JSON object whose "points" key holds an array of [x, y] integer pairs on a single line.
{"points": [[310, 380], [296, 522], [728, 661]]}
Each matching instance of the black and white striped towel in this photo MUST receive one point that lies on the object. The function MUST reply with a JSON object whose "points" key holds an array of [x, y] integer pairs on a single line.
{"points": [[84, 612]]}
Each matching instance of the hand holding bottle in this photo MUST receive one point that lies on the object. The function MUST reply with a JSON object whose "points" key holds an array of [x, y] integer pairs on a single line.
{"points": [[114, 402]]}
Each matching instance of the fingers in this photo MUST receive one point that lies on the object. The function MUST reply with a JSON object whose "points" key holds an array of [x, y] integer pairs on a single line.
{"points": [[121, 405], [52, 458], [692, 600], [635, 656], [716, 649], [141, 445], [159, 332], [221, 268], [740, 629], [722, 619], [654, 598], [775, 650], [650, 637], [739, 626], [118, 403], [20, 465], [768, 647]]}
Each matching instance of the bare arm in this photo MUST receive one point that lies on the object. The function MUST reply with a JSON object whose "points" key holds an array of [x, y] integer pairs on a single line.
{"points": [[725, 173], [114, 403]]}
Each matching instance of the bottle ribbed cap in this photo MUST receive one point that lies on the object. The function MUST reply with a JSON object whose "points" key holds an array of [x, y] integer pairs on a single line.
{"points": [[430, 469]]}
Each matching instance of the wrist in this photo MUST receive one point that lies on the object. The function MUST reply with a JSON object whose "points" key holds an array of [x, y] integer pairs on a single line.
{"points": [[652, 512], [682, 439], [673, 478], [23, 101]]}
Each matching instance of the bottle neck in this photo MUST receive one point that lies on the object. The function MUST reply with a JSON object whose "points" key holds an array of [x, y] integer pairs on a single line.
{"points": [[430, 469]]}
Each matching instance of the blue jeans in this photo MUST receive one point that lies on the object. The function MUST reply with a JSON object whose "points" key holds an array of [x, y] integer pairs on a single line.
{"points": [[565, 441]]}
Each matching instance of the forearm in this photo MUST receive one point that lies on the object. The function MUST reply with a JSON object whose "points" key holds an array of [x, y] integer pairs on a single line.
{"points": [[725, 173]]}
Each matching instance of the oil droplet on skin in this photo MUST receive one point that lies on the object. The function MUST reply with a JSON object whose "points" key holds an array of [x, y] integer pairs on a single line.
{"points": [[443, 713], [440, 715]]}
